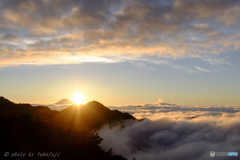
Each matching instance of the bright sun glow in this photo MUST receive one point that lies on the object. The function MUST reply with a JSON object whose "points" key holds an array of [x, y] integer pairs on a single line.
{"points": [[78, 98]]}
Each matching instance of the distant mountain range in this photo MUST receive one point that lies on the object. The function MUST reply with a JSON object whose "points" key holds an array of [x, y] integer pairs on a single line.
{"points": [[71, 131], [65, 101], [93, 114]]}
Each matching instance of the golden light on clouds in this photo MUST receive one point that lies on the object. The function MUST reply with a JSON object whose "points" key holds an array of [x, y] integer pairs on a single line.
{"points": [[78, 98], [43, 32]]}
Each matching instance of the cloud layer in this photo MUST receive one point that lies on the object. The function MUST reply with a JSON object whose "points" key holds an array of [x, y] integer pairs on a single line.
{"points": [[58, 31], [162, 109], [176, 132]]}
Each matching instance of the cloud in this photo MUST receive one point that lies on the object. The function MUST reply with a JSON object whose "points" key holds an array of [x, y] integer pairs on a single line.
{"points": [[201, 69], [52, 106], [217, 61], [116, 28], [163, 109], [176, 132], [230, 17], [160, 100]]}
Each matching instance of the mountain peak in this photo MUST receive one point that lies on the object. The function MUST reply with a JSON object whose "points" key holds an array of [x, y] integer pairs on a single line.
{"points": [[4, 100], [94, 103], [64, 101], [99, 107], [93, 114]]}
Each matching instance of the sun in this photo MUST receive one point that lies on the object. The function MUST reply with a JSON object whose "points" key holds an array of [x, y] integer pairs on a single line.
{"points": [[78, 98]]}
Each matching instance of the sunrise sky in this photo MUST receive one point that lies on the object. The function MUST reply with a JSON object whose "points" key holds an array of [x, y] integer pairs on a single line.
{"points": [[121, 52]]}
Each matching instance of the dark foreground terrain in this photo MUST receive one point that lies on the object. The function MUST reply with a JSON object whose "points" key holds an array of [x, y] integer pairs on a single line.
{"points": [[40, 133]]}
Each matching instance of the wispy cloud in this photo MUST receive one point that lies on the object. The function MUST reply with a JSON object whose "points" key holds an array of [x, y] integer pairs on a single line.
{"points": [[217, 61], [201, 69]]}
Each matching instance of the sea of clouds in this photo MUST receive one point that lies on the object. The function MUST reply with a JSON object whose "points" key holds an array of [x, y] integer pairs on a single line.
{"points": [[57, 107], [175, 132]]}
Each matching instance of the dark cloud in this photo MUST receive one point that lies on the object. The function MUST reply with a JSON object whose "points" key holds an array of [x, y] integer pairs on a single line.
{"points": [[8, 38], [202, 9]]}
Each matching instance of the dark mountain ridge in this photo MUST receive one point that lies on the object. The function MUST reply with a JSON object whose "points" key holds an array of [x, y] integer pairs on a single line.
{"points": [[4, 100], [93, 114], [10, 109], [71, 131]]}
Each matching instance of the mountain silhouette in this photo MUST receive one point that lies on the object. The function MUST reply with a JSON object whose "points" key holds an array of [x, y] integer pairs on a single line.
{"points": [[4, 100], [10, 109], [65, 101], [72, 131], [92, 114]]}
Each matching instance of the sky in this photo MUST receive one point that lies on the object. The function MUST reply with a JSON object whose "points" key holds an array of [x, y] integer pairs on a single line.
{"points": [[121, 52]]}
